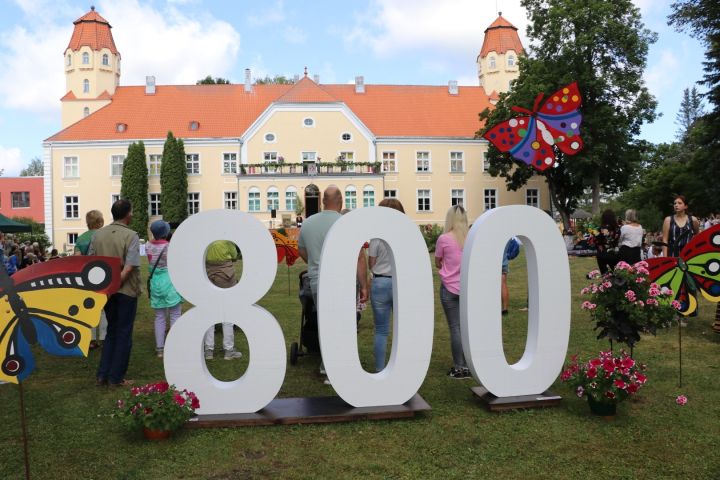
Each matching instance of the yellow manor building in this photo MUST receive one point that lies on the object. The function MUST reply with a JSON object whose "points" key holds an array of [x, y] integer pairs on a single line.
{"points": [[261, 148]]}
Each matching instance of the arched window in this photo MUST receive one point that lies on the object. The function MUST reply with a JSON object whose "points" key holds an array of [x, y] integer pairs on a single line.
{"points": [[290, 199], [86, 111], [511, 60], [492, 63], [68, 60], [368, 196], [350, 197], [86, 86], [273, 199], [106, 59], [86, 58], [253, 199]]}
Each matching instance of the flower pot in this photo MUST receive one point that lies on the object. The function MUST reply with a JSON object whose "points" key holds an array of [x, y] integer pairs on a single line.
{"points": [[605, 410], [156, 434]]}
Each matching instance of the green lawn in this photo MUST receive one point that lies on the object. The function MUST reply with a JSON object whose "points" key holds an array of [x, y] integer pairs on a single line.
{"points": [[73, 436]]}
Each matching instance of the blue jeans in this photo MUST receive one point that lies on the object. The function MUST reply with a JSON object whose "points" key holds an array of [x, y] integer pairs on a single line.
{"points": [[381, 298], [120, 311], [451, 305]]}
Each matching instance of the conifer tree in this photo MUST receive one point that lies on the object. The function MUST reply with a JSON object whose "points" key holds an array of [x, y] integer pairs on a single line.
{"points": [[135, 187], [173, 181]]}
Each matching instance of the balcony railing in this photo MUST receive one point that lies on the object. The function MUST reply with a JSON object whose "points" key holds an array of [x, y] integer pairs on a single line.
{"points": [[310, 169]]}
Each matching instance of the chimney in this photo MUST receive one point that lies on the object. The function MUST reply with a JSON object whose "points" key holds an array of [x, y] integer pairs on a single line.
{"points": [[316, 79], [150, 85], [453, 87], [248, 81], [359, 84]]}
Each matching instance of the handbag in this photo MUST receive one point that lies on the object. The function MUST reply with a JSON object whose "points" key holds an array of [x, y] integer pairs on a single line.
{"points": [[152, 272]]}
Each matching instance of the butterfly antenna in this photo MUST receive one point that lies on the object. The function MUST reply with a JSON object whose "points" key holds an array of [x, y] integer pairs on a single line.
{"points": [[538, 99]]}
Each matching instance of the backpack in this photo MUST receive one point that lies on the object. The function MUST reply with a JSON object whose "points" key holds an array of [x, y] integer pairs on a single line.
{"points": [[512, 249]]}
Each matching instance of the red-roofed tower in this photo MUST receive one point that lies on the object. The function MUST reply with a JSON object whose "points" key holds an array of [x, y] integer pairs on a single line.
{"points": [[498, 59], [92, 68]]}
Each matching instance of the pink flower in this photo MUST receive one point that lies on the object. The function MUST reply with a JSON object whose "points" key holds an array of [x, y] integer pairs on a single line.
{"points": [[639, 279], [585, 305], [622, 266], [681, 400], [630, 295], [594, 288], [607, 284], [651, 301], [594, 274], [120, 404], [654, 292], [676, 305], [655, 286], [640, 303], [627, 362], [641, 264], [585, 291], [666, 291], [580, 391]]}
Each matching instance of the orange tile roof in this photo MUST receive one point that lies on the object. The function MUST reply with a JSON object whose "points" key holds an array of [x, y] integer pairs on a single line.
{"points": [[500, 37], [228, 111], [92, 30]]}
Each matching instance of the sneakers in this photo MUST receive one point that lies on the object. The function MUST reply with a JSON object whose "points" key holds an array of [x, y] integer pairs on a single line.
{"points": [[232, 354], [327, 381], [208, 354], [459, 373], [159, 352]]}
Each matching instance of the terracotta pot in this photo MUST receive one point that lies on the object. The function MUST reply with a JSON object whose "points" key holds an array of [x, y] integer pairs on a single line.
{"points": [[605, 410], [156, 434]]}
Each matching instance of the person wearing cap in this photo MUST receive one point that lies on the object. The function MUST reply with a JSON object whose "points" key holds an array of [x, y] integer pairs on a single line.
{"points": [[164, 299], [220, 261]]}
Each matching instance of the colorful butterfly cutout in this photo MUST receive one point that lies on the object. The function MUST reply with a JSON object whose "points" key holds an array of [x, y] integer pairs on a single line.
{"points": [[55, 304], [697, 268], [286, 247], [530, 139]]}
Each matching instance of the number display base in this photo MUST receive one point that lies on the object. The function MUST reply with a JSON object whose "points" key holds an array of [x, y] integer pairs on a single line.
{"points": [[290, 411], [500, 404]]}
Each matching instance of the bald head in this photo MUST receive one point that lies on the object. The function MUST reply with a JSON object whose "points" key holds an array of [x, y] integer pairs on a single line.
{"points": [[332, 198]]}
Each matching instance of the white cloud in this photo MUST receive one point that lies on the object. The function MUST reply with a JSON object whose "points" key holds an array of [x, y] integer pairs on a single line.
{"points": [[295, 35], [390, 27], [11, 161], [273, 14], [657, 75]]}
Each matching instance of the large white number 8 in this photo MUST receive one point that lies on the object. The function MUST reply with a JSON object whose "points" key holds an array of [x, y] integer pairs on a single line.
{"points": [[184, 363]]}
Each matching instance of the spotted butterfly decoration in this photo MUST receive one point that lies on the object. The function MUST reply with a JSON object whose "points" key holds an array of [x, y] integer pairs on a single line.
{"points": [[53, 304], [531, 138], [696, 269]]}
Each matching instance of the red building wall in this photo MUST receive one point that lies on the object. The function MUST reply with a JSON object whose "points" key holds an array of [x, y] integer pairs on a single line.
{"points": [[29, 190]]}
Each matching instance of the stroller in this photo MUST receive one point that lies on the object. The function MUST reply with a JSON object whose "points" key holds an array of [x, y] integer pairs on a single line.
{"points": [[308, 342]]}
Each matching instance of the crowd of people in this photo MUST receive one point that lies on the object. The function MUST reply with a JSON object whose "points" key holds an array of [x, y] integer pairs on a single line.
{"points": [[16, 255]]}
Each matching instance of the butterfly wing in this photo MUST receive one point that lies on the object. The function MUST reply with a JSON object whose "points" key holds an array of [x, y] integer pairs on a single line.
{"points": [[666, 273], [560, 118], [520, 137], [702, 257]]}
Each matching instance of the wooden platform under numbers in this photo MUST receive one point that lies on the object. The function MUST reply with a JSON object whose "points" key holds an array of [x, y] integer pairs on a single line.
{"points": [[500, 404], [292, 411]]}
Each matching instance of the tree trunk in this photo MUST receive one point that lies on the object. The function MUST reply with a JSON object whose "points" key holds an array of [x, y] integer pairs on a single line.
{"points": [[564, 214]]}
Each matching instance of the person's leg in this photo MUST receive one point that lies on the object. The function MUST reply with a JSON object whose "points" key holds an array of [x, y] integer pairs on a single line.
{"points": [[127, 308], [160, 328], [451, 305], [504, 294], [209, 342], [381, 299], [102, 327], [175, 313]]}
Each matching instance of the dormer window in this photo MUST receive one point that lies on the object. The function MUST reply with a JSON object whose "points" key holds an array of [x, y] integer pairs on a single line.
{"points": [[86, 111], [194, 125], [105, 59], [86, 58], [492, 63], [120, 127], [511, 61], [86, 86]]}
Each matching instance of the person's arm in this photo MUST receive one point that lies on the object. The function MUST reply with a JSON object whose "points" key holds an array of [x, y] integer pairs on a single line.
{"points": [[303, 254], [371, 262], [695, 226], [665, 236], [362, 276], [132, 258]]}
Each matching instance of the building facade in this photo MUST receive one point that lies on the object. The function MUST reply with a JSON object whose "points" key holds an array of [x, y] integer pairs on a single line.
{"points": [[22, 197], [259, 148]]}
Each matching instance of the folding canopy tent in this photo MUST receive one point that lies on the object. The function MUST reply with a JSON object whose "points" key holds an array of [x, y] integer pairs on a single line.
{"points": [[11, 226]]}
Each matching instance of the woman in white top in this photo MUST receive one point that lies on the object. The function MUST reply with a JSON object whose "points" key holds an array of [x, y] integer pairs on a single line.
{"points": [[631, 237]]}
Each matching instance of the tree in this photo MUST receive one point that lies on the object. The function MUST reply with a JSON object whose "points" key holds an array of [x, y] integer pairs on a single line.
{"points": [[209, 80], [691, 108], [603, 45], [135, 187], [173, 181], [34, 169], [276, 80]]}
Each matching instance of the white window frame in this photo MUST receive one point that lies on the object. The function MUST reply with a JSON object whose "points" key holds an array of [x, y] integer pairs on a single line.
{"points": [[154, 164], [453, 161], [71, 170], [106, 59], [349, 157], [486, 162], [114, 197], [350, 200], [511, 60], [426, 168], [492, 63], [303, 156], [273, 198], [265, 139], [230, 200], [193, 203], [12, 199], [85, 58], [342, 139], [386, 162], [270, 162], [291, 198], [457, 194], [68, 62], [115, 166], [489, 196], [253, 199], [86, 111], [154, 205], [229, 163], [72, 238], [368, 196], [428, 198], [86, 86], [74, 206], [312, 122], [394, 195], [192, 160], [536, 192]]}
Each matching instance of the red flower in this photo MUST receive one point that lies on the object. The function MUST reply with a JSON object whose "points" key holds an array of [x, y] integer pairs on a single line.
{"points": [[194, 402], [610, 395], [591, 372], [641, 379], [179, 399], [632, 388], [595, 362], [620, 384], [162, 387]]}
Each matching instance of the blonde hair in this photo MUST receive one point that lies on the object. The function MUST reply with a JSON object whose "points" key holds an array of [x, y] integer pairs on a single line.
{"points": [[94, 219], [456, 222], [631, 216]]}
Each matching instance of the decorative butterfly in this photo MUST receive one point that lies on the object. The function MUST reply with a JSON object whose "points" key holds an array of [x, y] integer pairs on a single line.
{"points": [[530, 139], [286, 247], [697, 268], [55, 304]]}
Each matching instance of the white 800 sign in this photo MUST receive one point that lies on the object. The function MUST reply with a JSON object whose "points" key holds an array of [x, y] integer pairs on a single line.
{"points": [[413, 297]]}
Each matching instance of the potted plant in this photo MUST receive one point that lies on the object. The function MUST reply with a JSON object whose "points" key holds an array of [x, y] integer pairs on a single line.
{"points": [[623, 303], [606, 380], [157, 408]]}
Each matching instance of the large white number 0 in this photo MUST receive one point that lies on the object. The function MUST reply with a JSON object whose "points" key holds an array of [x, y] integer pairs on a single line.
{"points": [[412, 300], [184, 363], [549, 301]]}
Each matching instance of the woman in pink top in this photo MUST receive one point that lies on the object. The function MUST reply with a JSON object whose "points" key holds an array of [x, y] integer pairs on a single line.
{"points": [[448, 257]]}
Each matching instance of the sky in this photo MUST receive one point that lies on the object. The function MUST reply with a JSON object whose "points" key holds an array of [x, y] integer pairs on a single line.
{"points": [[413, 42]]}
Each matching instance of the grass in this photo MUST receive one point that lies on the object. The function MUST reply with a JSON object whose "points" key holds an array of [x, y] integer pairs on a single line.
{"points": [[72, 434]]}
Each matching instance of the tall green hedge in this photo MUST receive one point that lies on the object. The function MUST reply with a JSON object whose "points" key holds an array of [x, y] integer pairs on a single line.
{"points": [[135, 187], [173, 181]]}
